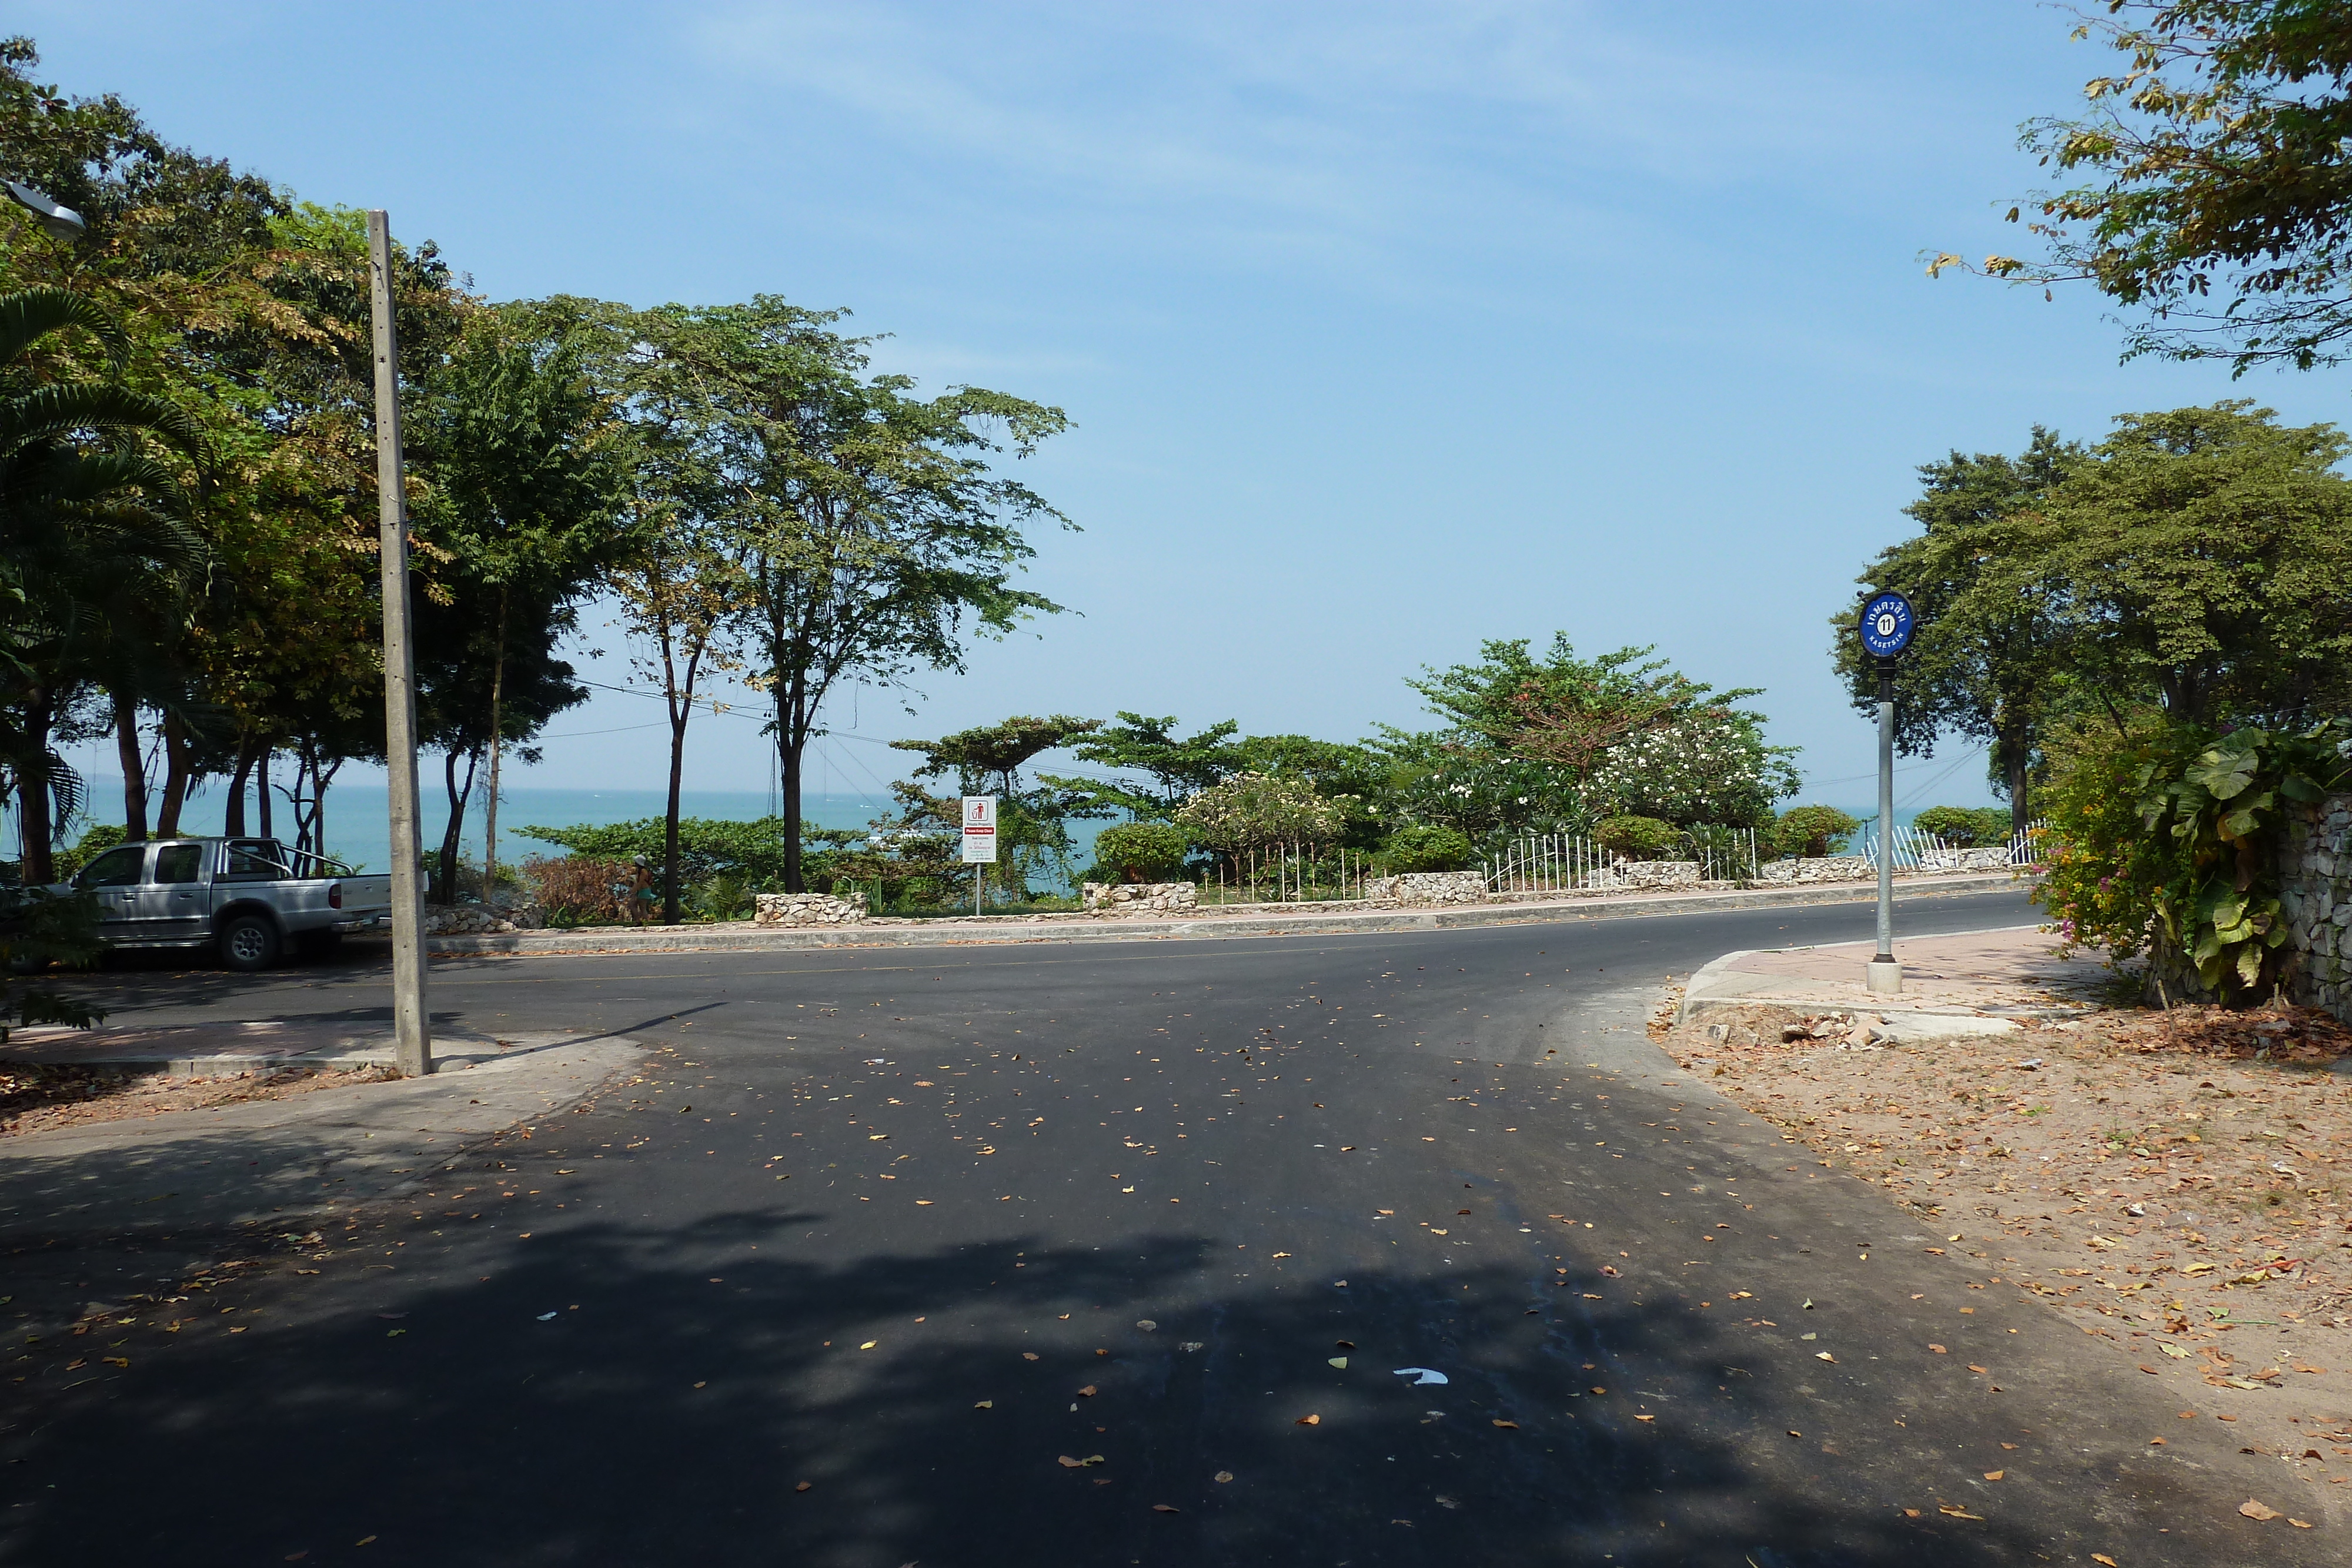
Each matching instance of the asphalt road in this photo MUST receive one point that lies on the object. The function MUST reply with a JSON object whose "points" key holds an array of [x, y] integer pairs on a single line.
{"points": [[1109, 1255]]}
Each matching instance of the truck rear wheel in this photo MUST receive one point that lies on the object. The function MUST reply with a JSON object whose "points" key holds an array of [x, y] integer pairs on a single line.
{"points": [[248, 942]]}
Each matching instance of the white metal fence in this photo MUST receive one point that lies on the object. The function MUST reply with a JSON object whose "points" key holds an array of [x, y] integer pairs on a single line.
{"points": [[1915, 850], [1564, 862]]}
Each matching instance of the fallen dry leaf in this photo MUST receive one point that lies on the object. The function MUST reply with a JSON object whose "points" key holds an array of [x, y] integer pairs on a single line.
{"points": [[1164, 1508], [1939, 1350], [2103, 1558], [1088, 1392], [1994, 1475], [804, 1486], [1974, 1367], [1222, 1476], [985, 1405], [2300, 1523], [1028, 1355], [1308, 1421], [1959, 1512], [2252, 1508], [1514, 1426]]}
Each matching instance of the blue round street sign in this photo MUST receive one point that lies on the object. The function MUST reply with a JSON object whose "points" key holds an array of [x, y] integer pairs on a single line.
{"points": [[1887, 624]]}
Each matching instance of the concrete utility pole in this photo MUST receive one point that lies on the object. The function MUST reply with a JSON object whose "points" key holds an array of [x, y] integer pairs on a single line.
{"points": [[412, 1025]]}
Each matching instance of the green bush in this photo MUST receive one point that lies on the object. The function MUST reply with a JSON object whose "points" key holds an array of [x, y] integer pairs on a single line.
{"points": [[2167, 843], [1141, 851], [1966, 826], [102, 837], [1424, 846], [1637, 837], [1807, 832]]}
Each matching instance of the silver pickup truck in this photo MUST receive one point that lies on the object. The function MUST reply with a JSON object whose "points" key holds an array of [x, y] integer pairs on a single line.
{"points": [[251, 898]]}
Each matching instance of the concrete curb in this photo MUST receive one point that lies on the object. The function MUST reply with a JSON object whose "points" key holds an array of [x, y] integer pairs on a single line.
{"points": [[1716, 987], [691, 939]]}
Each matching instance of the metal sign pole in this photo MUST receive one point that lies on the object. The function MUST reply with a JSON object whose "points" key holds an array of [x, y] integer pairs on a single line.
{"points": [[979, 843], [1887, 624], [1886, 974], [411, 1025]]}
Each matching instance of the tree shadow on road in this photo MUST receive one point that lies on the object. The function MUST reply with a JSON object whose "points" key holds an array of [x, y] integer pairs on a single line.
{"points": [[683, 1404]]}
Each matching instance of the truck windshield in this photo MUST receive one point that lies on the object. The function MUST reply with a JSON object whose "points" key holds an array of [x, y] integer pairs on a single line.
{"points": [[180, 862], [117, 867]]}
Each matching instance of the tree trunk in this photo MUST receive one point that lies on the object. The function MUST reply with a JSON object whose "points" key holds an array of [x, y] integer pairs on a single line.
{"points": [[262, 823], [792, 738], [134, 768], [450, 837], [669, 823], [178, 762], [36, 828], [491, 806], [233, 813]]}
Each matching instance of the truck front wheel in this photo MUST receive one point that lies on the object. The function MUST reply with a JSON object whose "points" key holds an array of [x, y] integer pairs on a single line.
{"points": [[248, 942]]}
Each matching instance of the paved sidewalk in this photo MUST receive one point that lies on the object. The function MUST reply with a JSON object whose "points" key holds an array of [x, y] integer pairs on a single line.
{"points": [[1270, 920], [292, 1159], [1979, 982]]}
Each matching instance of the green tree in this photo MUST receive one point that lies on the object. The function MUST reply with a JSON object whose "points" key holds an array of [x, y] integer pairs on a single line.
{"points": [[2202, 558], [2220, 189], [1032, 820], [684, 594], [1177, 767], [1254, 811], [522, 495], [92, 535], [1982, 661], [872, 527], [1559, 741]]}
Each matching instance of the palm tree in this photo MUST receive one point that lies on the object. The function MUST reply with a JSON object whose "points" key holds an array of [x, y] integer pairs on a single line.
{"points": [[94, 545]]}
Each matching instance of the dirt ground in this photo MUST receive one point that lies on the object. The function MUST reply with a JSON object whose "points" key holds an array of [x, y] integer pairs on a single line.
{"points": [[2173, 1183], [34, 1098]]}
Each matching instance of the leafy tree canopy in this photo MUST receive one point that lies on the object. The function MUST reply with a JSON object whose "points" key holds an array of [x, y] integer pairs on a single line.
{"points": [[2219, 187], [1981, 663]]}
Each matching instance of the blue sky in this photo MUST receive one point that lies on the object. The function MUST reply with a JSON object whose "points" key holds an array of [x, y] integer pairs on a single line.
{"points": [[1386, 328]]}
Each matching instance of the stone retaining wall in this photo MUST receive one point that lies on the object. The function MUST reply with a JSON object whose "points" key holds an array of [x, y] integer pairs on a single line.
{"points": [[1133, 898], [474, 920], [1991, 857], [1425, 887], [807, 909], [1655, 874], [2315, 893], [1819, 868]]}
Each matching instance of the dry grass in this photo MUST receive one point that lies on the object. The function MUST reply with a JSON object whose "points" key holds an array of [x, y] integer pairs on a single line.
{"points": [[34, 1098], [2179, 1183]]}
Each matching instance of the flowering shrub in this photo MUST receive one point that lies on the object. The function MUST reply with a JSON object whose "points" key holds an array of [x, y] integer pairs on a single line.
{"points": [[1710, 766], [1253, 809], [1486, 796]]}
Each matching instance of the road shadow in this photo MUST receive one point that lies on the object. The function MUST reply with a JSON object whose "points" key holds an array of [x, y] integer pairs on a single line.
{"points": [[635, 1393]]}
